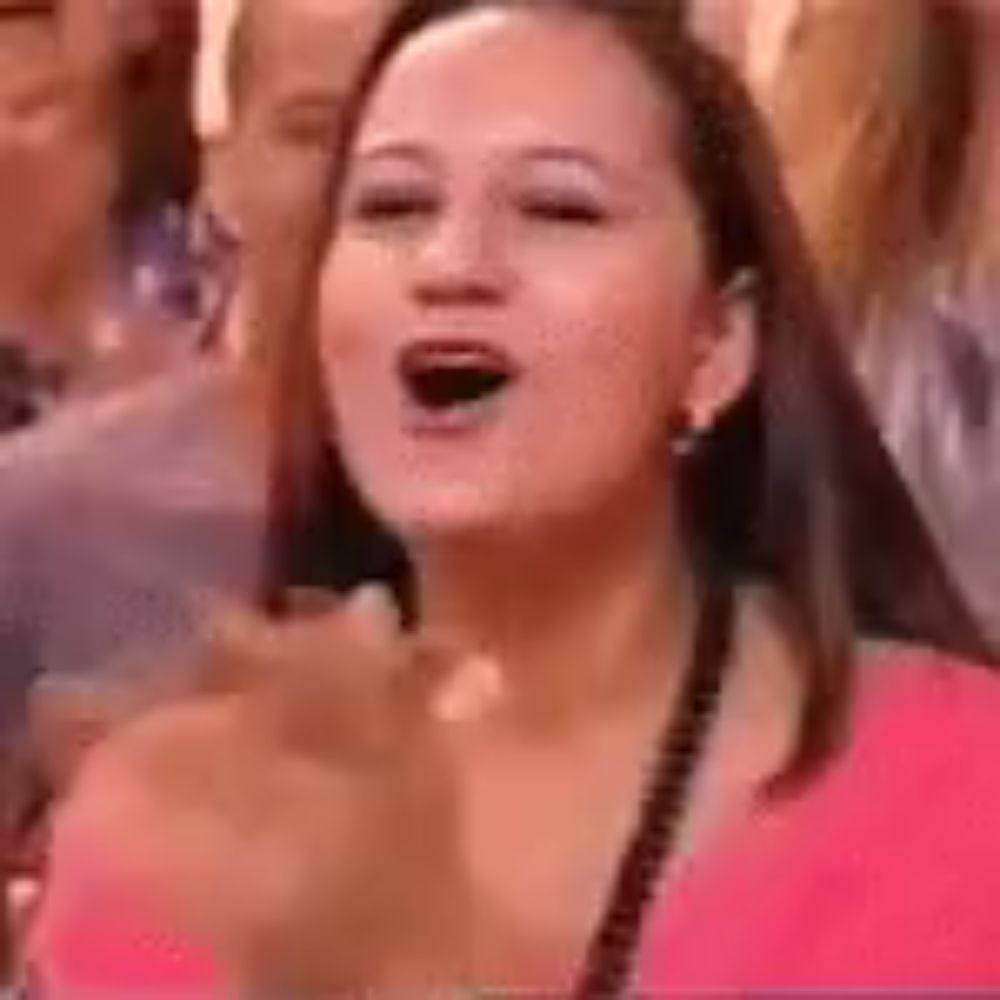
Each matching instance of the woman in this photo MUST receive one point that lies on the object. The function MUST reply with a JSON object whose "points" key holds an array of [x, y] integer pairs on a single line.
{"points": [[875, 160], [573, 399], [98, 162]]}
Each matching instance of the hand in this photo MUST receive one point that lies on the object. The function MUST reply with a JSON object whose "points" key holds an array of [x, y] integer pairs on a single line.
{"points": [[300, 816]]}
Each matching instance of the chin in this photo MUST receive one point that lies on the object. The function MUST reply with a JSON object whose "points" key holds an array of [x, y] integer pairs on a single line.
{"points": [[446, 514]]}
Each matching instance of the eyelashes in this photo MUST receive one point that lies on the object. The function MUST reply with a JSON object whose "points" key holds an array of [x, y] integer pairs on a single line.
{"points": [[564, 209], [386, 206], [383, 206]]}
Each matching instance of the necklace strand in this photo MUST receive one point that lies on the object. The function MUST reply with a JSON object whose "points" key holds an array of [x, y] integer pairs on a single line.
{"points": [[610, 955]]}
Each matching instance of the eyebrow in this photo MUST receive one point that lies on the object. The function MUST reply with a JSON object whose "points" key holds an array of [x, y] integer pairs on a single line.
{"points": [[312, 93], [14, 10], [543, 152], [43, 93], [395, 150], [572, 155], [326, 105]]}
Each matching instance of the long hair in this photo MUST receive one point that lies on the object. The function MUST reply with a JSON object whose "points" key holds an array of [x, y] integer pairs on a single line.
{"points": [[977, 241], [873, 107], [792, 488]]}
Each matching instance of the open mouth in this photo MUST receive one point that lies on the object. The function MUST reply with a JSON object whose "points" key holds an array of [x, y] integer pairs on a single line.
{"points": [[445, 376]]}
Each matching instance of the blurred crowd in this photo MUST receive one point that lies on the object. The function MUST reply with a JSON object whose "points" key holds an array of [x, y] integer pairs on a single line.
{"points": [[162, 167], [887, 118]]}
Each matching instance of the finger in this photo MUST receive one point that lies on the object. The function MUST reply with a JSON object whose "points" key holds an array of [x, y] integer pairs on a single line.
{"points": [[371, 616], [348, 653], [246, 651], [433, 661], [237, 646], [471, 693], [318, 645], [319, 685], [446, 683], [311, 602]]}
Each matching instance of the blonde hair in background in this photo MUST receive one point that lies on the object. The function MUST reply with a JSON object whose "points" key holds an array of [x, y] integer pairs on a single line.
{"points": [[872, 105], [770, 29], [213, 102], [978, 216]]}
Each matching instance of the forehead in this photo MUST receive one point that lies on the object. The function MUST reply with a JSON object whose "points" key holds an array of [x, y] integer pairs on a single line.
{"points": [[308, 44], [26, 25], [514, 75], [26, 10], [30, 44]]}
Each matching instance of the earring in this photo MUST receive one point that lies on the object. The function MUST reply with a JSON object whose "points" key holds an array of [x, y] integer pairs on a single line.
{"points": [[684, 436]]}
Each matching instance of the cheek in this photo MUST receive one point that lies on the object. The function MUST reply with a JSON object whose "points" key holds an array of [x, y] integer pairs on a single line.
{"points": [[338, 335], [616, 377], [351, 322], [280, 194], [633, 351]]}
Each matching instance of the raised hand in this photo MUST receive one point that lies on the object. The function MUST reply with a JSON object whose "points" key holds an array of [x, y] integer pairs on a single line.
{"points": [[299, 817]]}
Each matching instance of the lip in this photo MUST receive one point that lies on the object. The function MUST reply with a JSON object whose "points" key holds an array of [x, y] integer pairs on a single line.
{"points": [[490, 352], [462, 418], [453, 423]]}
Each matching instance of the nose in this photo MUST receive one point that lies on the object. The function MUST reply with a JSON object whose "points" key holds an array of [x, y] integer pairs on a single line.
{"points": [[461, 260]]}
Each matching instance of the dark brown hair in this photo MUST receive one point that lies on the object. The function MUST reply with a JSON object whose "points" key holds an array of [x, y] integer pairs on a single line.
{"points": [[792, 488]]}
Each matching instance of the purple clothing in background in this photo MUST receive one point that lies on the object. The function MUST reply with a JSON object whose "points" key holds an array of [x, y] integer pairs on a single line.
{"points": [[933, 378], [115, 517]]}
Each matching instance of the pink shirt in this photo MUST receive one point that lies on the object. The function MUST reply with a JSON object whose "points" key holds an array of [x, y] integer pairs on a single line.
{"points": [[884, 873]]}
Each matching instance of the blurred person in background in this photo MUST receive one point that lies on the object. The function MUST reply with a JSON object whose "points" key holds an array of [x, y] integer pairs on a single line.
{"points": [[174, 261], [752, 34], [56, 182], [115, 513], [97, 163], [572, 398], [885, 115], [116, 517], [894, 168], [289, 66]]}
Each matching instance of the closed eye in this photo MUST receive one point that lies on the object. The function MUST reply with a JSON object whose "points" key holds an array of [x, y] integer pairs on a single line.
{"points": [[563, 209], [307, 121], [378, 206]]}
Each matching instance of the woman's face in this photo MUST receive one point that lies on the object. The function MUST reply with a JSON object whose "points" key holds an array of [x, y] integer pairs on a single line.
{"points": [[513, 302], [301, 57], [56, 168]]}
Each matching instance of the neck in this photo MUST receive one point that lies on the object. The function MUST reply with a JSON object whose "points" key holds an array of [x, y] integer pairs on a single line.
{"points": [[581, 620]]}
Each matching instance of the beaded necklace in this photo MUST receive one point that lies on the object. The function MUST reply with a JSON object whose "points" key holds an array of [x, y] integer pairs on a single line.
{"points": [[611, 953]]}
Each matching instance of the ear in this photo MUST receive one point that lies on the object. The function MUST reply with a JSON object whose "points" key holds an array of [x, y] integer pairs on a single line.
{"points": [[726, 356]]}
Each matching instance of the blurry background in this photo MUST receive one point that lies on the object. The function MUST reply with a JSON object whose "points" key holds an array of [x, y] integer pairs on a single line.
{"points": [[161, 163]]}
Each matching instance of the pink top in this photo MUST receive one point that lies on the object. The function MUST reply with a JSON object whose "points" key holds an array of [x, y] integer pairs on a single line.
{"points": [[884, 873]]}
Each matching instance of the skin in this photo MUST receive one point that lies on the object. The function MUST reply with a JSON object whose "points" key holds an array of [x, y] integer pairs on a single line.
{"points": [[59, 171], [610, 319], [616, 329], [274, 165], [56, 175], [984, 253], [723, 25], [266, 176], [515, 765], [753, 34]]}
